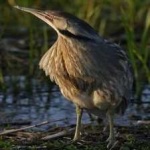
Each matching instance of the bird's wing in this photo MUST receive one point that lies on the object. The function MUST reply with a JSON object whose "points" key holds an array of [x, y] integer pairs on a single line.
{"points": [[96, 60], [93, 64]]}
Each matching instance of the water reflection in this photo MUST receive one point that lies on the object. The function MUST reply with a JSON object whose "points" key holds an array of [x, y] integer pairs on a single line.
{"points": [[43, 103]]}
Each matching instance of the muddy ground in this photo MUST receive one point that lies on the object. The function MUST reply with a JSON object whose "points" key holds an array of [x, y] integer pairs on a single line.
{"points": [[93, 138]]}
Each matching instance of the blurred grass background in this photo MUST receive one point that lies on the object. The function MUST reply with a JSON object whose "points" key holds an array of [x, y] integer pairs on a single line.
{"points": [[126, 22]]}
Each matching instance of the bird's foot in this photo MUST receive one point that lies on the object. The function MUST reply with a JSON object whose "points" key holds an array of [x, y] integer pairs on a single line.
{"points": [[77, 137], [111, 143]]}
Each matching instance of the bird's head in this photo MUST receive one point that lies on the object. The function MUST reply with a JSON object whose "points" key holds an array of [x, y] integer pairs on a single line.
{"points": [[64, 23]]}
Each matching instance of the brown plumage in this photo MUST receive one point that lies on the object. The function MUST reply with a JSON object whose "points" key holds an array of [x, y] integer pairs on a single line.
{"points": [[91, 72]]}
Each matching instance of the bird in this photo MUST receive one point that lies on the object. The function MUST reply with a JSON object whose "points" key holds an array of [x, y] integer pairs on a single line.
{"points": [[92, 72]]}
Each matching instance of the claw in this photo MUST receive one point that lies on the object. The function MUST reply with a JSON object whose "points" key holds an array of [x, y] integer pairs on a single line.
{"points": [[112, 144]]}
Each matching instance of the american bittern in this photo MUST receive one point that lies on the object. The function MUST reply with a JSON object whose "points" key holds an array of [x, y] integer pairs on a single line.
{"points": [[91, 72]]}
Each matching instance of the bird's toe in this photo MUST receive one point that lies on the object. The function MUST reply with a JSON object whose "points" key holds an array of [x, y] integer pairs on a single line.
{"points": [[111, 144], [77, 137]]}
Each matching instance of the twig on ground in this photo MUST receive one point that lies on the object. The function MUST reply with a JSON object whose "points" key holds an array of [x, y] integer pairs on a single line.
{"points": [[28, 127], [59, 134], [143, 122]]}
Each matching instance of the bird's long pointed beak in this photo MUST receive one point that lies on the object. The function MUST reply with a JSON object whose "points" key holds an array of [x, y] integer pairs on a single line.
{"points": [[40, 14], [29, 10]]}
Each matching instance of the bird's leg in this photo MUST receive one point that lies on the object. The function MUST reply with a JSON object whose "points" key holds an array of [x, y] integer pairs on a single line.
{"points": [[79, 112], [111, 138]]}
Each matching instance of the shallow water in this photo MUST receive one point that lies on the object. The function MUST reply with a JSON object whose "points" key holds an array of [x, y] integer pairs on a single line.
{"points": [[43, 103]]}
